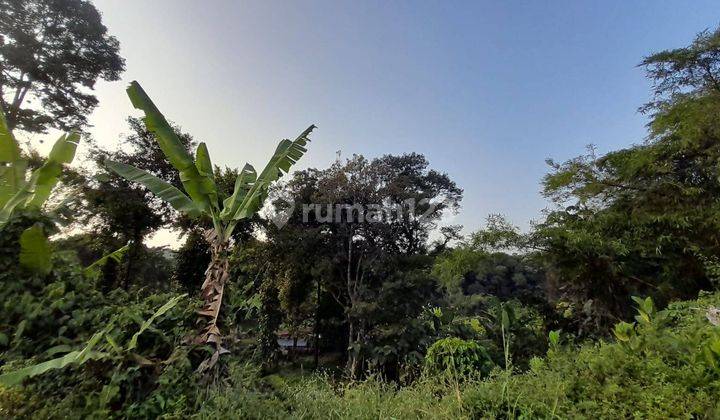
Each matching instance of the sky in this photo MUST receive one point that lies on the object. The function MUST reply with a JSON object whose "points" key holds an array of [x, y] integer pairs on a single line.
{"points": [[485, 90]]}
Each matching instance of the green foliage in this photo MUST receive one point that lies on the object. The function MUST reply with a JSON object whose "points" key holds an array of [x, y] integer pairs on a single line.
{"points": [[162, 189], [29, 194], [684, 71], [53, 52], [201, 197], [624, 331], [450, 267], [19, 193], [148, 322], [197, 176], [37, 308], [87, 353], [668, 376], [114, 211], [35, 250], [478, 267], [664, 376], [646, 309], [554, 338], [642, 220], [75, 357], [636, 222], [132, 356], [457, 358], [94, 269]]}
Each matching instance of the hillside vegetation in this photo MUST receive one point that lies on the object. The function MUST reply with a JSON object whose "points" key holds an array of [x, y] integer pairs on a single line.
{"points": [[337, 292]]}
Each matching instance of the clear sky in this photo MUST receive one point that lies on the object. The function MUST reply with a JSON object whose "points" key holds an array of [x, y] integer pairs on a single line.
{"points": [[486, 90]]}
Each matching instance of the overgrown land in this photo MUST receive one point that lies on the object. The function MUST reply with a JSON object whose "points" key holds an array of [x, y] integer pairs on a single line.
{"points": [[608, 307]]}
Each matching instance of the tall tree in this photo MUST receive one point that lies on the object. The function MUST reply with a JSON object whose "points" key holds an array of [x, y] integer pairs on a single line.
{"points": [[644, 220], [368, 237], [481, 265], [200, 198], [53, 52], [685, 72]]}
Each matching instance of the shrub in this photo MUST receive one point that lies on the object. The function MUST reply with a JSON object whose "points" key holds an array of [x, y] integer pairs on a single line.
{"points": [[664, 374], [660, 370], [458, 358]]}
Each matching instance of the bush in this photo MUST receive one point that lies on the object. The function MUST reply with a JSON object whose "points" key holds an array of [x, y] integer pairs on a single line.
{"points": [[664, 365], [662, 373], [44, 317], [457, 358]]}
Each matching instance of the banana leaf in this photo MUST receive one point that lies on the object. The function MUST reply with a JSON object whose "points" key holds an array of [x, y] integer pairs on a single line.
{"points": [[76, 357], [81, 356], [243, 183], [12, 166], [287, 153], [35, 250], [93, 270], [63, 152], [204, 167], [198, 187], [145, 325], [37, 189], [18, 199], [162, 189]]}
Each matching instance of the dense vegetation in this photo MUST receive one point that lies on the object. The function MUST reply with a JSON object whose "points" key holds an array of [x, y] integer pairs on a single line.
{"points": [[606, 308]]}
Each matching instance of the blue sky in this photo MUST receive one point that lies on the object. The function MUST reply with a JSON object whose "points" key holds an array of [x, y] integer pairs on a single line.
{"points": [[486, 90]]}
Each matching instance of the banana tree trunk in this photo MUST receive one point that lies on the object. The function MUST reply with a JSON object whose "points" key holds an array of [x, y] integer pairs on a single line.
{"points": [[212, 290]]}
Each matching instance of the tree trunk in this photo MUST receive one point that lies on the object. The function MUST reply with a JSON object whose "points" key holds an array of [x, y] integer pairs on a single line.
{"points": [[317, 327], [212, 290], [350, 356], [136, 242], [353, 365]]}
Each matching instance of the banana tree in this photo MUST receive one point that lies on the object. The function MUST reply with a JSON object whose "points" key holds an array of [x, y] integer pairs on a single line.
{"points": [[200, 198], [20, 192]]}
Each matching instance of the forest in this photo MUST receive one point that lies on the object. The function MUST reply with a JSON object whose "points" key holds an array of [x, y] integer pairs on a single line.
{"points": [[338, 291]]}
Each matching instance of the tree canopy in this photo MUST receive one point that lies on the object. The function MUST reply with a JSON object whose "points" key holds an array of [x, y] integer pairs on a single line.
{"points": [[51, 55]]}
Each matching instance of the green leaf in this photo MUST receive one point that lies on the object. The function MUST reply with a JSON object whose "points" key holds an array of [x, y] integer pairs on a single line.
{"points": [[116, 348], [93, 270], [505, 318], [19, 331], [204, 167], [108, 394], [624, 331], [18, 199], [12, 166], [202, 161], [78, 357], [63, 152], [243, 183], [155, 121], [162, 189], [35, 250], [198, 187], [645, 309], [61, 348], [506, 315], [37, 189], [287, 153], [145, 325], [554, 337]]}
